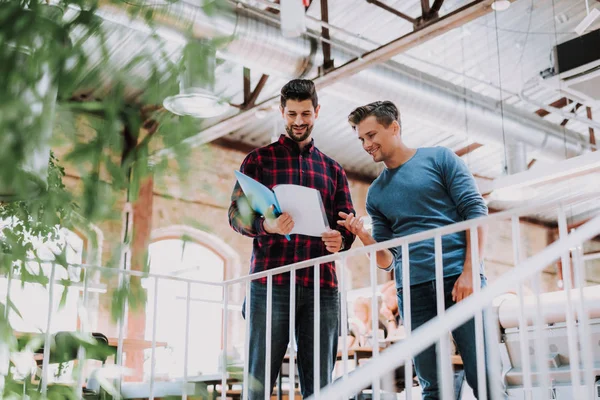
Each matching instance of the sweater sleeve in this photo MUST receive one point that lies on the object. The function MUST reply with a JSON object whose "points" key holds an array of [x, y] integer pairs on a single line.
{"points": [[381, 230], [461, 186]]}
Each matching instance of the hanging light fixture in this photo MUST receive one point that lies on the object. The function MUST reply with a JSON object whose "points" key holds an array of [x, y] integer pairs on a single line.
{"points": [[196, 96], [500, 5]]}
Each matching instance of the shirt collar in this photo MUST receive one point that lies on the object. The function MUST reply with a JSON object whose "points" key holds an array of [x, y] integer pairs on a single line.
{"points": [[285, 141]]}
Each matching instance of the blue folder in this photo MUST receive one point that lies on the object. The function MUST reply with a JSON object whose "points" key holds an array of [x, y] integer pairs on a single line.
{"points": [[259, 196]]}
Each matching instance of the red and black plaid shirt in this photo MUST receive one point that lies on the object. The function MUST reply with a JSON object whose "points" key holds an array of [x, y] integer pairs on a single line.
{"points": [[283, 163]]}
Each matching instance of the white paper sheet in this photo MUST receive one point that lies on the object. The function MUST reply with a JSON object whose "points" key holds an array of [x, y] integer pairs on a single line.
{"points": [[306, 208]]}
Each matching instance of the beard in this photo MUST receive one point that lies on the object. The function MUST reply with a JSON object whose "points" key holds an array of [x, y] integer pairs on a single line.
{"points": [[299, 137]]}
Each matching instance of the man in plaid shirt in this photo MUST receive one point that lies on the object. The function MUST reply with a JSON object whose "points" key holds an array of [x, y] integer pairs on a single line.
{"points": [[293, 159]]}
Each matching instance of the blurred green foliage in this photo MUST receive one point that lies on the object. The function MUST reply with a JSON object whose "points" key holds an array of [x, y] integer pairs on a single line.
{"points": [[60, 72]]}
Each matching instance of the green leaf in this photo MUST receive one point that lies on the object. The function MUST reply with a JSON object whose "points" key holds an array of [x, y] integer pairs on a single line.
{"points": [[11, 306], [65, 293]]}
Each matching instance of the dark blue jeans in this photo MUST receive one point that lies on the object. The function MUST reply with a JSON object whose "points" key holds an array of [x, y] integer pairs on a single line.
{"points": [[424, 308], [280, 336]]}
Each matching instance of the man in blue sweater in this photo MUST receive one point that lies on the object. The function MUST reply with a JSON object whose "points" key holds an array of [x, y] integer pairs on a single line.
{"points": [[420, 189]]}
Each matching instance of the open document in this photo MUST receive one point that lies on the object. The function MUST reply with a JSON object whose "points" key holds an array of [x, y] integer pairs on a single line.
{"points": [[302, 203]]}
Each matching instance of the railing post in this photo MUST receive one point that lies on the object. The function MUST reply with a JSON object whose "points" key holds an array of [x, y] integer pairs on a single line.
{"points": [[344, 317], [224, 373], [571, 330], [47, 335], [317, 332], [479, 336], [82, 328], [523, 320], [154, 324], [541, 342], [584, 324], [246, 387], [407, 320], [267, 385], [444, 363], [187, 338], [374, 320], [292, 363], [493, 356]]}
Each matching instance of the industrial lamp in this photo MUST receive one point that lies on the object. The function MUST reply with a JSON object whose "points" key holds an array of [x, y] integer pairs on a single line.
{"points": [[196, 96]]}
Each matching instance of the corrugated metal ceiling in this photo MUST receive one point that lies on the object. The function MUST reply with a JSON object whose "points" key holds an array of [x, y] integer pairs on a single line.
{"points": [[495, 55]]}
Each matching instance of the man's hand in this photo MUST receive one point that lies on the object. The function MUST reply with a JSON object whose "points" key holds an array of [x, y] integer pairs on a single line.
{"points": [[281, 225], [463, 286], [332, 240], [354, 224]]}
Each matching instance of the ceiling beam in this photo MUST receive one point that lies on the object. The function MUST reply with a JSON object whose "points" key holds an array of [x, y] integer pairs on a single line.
{"points": [[437, 5], [468, 149], [424, 33], [463, 15], [327, 61], [393, 11], [591, 130], [425, 7], [560, 103], [566, 120]]}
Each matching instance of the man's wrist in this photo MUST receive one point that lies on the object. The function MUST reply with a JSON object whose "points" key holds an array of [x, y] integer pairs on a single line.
{"points": [[366, 238], [263, 225]]}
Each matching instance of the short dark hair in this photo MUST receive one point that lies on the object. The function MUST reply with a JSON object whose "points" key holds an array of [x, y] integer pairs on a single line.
{"points": [[299, 90], [385, 112]]}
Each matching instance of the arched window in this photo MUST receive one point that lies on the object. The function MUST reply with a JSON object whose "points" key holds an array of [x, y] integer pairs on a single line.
{"points": [[32, 299], [185, 253]]}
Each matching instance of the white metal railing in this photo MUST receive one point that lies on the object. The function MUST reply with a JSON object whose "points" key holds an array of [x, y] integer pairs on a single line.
{"points": [[435, 331], [403, 353], [436, 328]]}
